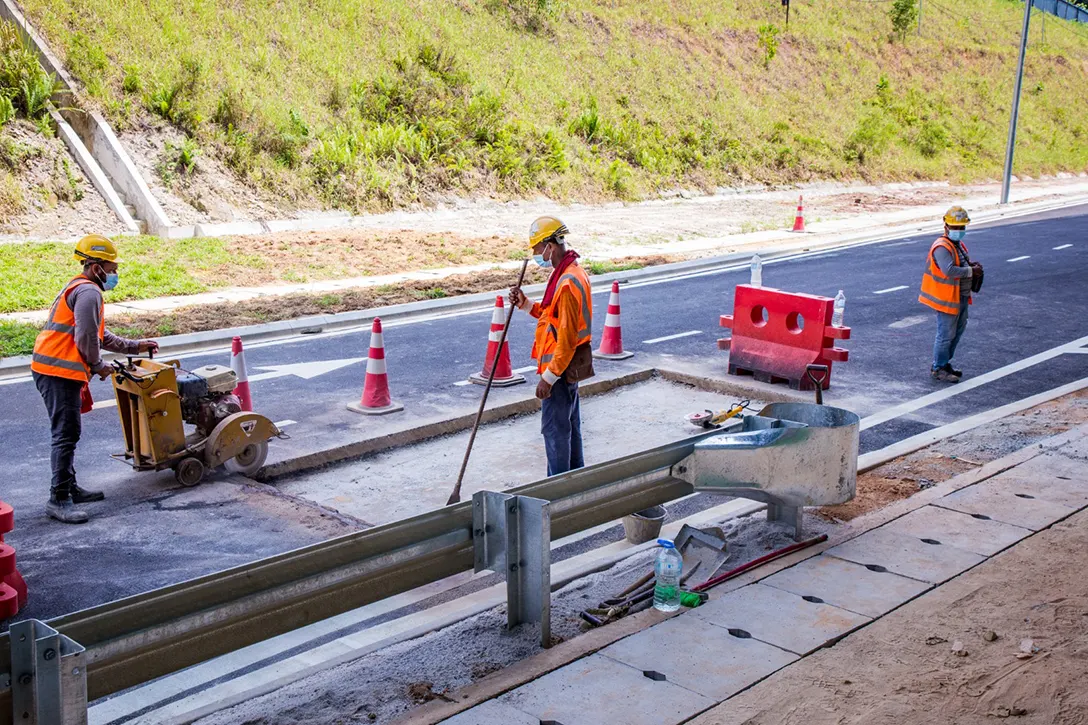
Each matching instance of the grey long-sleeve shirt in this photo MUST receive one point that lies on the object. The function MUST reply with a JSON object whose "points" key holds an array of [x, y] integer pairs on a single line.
{"points": [[86, 303], [945, 262]]}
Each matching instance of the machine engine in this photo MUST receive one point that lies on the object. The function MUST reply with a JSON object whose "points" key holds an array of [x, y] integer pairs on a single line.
{"points": [[207, 396]]}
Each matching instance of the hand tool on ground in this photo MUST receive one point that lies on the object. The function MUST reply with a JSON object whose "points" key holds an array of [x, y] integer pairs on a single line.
{"points": [[156, 399], [702, 551], [818, 382], [709, 419], [455, 497], [612, 609], [784, 551]]}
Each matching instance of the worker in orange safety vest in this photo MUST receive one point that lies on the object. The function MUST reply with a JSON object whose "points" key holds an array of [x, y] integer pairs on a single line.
{"points": [[562, 344], [66, 356], [947, 283]]}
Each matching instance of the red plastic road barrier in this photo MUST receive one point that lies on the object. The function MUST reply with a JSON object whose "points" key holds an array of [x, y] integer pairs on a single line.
{"points": [[777, 335], [799, 220], [376, 400], [612, 339], [238, 365], [504, 373], [13, 593]]}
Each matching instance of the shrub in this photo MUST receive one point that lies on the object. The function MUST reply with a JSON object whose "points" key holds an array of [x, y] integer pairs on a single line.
{"points": [[904, 14], [870, 138], [7, 110], [768, 42]]}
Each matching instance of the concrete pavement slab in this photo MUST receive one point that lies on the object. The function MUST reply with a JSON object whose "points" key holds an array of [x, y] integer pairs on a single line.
{"points": [[963, 531], [492, 713], [1052, 477], [1007, 503], [780, 618], [700, 656], [598, 690], [848, 585], [906, 555]]}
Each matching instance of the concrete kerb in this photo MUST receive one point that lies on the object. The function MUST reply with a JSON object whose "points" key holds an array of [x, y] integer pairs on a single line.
{"points": [[95, 133], [211, 340], [524, 406], [539, 665]]}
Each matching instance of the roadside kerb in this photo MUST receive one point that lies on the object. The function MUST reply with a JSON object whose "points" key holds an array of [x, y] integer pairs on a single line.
{"points": [[524, 406], [533, 668], [214, 340]]}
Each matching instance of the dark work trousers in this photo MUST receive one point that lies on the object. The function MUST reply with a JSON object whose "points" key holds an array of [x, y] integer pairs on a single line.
{"points": [[62, 401], [561, 426]]}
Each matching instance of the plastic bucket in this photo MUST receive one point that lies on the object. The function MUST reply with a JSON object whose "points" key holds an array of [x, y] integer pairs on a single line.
{"points": [[645, 525]]}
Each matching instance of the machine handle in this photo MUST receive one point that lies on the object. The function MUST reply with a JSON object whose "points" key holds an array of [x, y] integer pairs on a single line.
{"points": [[811, 371]]}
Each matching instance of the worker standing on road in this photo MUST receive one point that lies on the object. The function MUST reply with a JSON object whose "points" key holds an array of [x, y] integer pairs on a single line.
{"points": [[947, 283], [67, 353], [561, 346]]}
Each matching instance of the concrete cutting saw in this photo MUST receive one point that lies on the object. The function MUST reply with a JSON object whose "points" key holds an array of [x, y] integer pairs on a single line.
{"points": [[157, 399]]}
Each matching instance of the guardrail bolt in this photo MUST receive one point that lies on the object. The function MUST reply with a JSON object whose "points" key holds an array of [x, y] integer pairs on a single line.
{"points": [[513, 567], [513, 508], [49, 654], [25, 679], [681, 469]]}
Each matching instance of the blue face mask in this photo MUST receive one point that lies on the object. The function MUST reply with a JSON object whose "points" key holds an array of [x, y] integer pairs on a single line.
{"points": [[111, 281], [957, 235], [541, 262]]}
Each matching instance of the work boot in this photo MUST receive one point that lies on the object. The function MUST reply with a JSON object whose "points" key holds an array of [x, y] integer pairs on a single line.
{"points": [[952, 371], [82, 495], [944, 376], [63, 510]]}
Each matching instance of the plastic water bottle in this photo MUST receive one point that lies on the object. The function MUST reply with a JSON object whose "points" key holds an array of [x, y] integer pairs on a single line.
{"points": [[757, 271], [667, 568], [840, 306]]}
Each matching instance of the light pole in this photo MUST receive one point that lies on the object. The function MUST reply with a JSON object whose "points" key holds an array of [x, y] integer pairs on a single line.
{"points": [[1015, 104]]}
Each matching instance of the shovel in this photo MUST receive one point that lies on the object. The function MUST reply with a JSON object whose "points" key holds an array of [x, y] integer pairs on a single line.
{"points": [[455, 497]]}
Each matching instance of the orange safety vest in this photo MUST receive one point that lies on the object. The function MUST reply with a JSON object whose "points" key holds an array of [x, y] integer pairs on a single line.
{"points": [[55, 351], [574, 281], [938, 291]]}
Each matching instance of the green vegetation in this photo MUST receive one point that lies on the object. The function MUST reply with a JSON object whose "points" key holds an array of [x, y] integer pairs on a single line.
{"points": [[371, 103], [17, 338], [606, 266], [24, 84]]}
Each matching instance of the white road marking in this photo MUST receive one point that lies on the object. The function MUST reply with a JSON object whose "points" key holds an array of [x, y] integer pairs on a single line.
{"points": [[459, 383], [909, 322], [1082, 351], [890, 289], [1019, 259], [1064, 246], [517, 371], [105, 404], [929, 437], [926, 400], [656, 340], [284, 423], [306, 370]]}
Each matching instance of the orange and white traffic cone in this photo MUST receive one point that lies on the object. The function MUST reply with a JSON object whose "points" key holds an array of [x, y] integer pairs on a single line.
{"points": [[376, 399], [799, 220], [504, 373], [238, 365], [612, 340]]}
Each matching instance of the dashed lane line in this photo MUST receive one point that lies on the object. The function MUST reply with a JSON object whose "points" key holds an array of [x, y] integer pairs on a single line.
{"points": [[890, 289], [1063, 246], [1019, 259], [678, 335]]}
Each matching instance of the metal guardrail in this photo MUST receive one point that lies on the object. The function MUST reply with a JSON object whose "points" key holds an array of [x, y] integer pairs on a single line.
{"points": [[143, 637]]}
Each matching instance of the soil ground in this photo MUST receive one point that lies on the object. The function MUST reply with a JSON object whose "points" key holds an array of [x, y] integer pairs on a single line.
{"points": [[907, 475], [901, 669]]}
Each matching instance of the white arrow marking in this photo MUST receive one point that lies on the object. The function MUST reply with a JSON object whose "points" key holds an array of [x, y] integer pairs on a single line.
{"points": [[306, 370]]}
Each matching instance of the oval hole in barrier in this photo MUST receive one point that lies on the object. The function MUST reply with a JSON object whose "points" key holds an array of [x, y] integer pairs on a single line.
{"points": [[760, 316], [795, 322]]}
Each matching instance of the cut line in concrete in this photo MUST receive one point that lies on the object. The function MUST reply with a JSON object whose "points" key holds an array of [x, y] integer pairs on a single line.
{"points": [[1004, 501], [906, 555], [985, 537]]}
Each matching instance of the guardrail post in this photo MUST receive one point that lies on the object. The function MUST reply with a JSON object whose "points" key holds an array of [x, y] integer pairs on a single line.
{"points": [[512, 537], [48, 676]]}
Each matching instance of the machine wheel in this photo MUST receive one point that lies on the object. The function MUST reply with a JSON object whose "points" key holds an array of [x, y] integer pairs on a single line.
{"points": [[250, 460], [189, 471]]}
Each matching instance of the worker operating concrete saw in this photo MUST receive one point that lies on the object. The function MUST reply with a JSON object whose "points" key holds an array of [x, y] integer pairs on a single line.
{"points": [[562, 344], [67, 353]]}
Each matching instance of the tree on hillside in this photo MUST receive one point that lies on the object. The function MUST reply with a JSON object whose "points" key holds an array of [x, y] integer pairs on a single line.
{"points": [[904, 14]]}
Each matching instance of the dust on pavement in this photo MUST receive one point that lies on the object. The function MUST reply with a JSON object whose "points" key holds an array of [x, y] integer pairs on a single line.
{"points": [[901, 669]]}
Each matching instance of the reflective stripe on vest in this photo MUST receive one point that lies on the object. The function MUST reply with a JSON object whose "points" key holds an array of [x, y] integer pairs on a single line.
{"points": [[546, 337], [939, 292], [55, 350]]}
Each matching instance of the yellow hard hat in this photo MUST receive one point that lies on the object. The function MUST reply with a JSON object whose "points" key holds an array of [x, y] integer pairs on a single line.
{"points": [[956, 216], [95, 246], [545, 229]]}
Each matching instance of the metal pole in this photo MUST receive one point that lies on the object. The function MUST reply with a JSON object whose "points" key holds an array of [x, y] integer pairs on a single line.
{"points": [[1015, 104]]}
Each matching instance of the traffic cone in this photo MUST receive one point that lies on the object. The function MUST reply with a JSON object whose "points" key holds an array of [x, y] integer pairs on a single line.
{"points": [[799, 220], [504, 374], [612, 340], [376, 399], [238, 365], [13, 592]]}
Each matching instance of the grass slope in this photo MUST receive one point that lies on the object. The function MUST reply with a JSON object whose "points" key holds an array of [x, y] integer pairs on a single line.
{"points": [[374, 103]]}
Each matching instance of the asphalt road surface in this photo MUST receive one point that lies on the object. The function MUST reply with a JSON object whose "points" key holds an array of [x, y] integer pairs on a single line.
{"points": [[150, 532]]}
